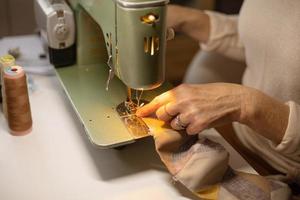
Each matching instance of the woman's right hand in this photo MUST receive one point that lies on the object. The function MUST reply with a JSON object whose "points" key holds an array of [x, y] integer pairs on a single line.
{"points": [[192, 22]]}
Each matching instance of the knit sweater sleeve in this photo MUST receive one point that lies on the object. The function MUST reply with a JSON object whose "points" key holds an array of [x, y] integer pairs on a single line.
{"points": [[290, 144], [224, 37]]}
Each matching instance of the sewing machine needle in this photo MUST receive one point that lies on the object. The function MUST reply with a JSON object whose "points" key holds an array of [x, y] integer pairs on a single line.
{"points": [[129, 94], [139, 98]]}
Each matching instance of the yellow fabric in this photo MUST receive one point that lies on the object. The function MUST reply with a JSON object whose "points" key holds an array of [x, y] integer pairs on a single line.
{"points": [[155, 125], [211, 193]]}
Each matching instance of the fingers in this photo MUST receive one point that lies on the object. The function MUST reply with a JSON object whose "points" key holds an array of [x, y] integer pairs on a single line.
{"points": [[161, 100], [167, 112], [197, 126], [155, 104], [194, 129]]}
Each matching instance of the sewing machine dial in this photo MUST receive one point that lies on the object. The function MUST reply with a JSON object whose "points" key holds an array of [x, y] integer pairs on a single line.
{"points": [[61, 31]]}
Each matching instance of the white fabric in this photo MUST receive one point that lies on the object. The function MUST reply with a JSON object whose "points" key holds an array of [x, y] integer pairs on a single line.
{"points": [[203, 168], [267, 35]]}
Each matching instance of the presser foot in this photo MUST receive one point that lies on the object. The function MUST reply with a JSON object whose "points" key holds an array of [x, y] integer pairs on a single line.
{"points": [[135, 125]]}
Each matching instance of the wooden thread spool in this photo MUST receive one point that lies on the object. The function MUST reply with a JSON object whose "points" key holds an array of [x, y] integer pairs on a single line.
{"points": [[17, 101]]}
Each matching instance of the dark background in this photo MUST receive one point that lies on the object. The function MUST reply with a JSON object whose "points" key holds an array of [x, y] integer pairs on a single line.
{"points": [[17, 17], [226, 6]]}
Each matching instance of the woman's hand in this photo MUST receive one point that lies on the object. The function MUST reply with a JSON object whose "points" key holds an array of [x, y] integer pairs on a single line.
{"points": [[197, 107], [192, 22]]}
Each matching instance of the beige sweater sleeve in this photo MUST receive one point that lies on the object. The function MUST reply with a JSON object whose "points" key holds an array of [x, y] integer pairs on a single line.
{"points": [[290, 144], [224, 37]]}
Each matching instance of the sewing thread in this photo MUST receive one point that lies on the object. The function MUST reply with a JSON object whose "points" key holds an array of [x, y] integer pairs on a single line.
{"points": [[17, 101]]}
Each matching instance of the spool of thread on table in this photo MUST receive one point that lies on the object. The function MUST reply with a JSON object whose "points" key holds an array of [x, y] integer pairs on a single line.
{"points": [[5, 61], [17, 101]]}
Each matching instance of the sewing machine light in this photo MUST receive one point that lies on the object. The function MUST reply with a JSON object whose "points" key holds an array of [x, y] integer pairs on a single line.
{"points": [[150, 18]]}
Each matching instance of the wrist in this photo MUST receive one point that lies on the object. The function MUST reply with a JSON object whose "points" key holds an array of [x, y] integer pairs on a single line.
{"points": [[264, 114], [195, 24], [248, 105]]}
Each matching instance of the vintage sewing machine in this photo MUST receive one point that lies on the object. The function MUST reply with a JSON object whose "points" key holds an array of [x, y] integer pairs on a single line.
{"points": [[126, 38]]}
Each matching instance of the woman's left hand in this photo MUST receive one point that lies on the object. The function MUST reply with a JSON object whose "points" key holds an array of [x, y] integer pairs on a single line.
{"points": [[197, 107]]}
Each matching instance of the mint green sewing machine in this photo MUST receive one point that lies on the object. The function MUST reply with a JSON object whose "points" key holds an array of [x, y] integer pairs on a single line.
{"points": [[126, 38]]}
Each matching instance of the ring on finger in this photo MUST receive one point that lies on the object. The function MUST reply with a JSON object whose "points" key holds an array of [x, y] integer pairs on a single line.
{"points": [[179, 123]]}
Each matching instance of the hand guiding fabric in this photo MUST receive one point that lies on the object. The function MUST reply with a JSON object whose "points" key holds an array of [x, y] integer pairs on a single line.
{"points": [[211, 105], [195, 107]]}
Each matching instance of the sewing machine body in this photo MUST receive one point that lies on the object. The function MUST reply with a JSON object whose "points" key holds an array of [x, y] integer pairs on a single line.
{"points": [[106, 29], [135, 48]]}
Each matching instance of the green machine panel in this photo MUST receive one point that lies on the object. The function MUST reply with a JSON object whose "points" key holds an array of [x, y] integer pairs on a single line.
{"points": [[96, 107]]}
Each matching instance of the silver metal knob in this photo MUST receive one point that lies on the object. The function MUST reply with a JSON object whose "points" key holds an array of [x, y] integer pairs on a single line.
{"points": [[61, 31]]}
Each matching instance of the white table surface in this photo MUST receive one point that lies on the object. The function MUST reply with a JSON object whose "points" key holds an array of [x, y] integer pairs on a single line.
{"points": [[57, 162]]}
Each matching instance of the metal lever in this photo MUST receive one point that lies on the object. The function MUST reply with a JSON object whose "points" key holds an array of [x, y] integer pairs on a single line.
{"points": [[111, 72]]}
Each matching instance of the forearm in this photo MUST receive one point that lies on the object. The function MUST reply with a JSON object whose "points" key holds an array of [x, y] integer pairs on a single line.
{"points": [[265, 115], [192, 22]]}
